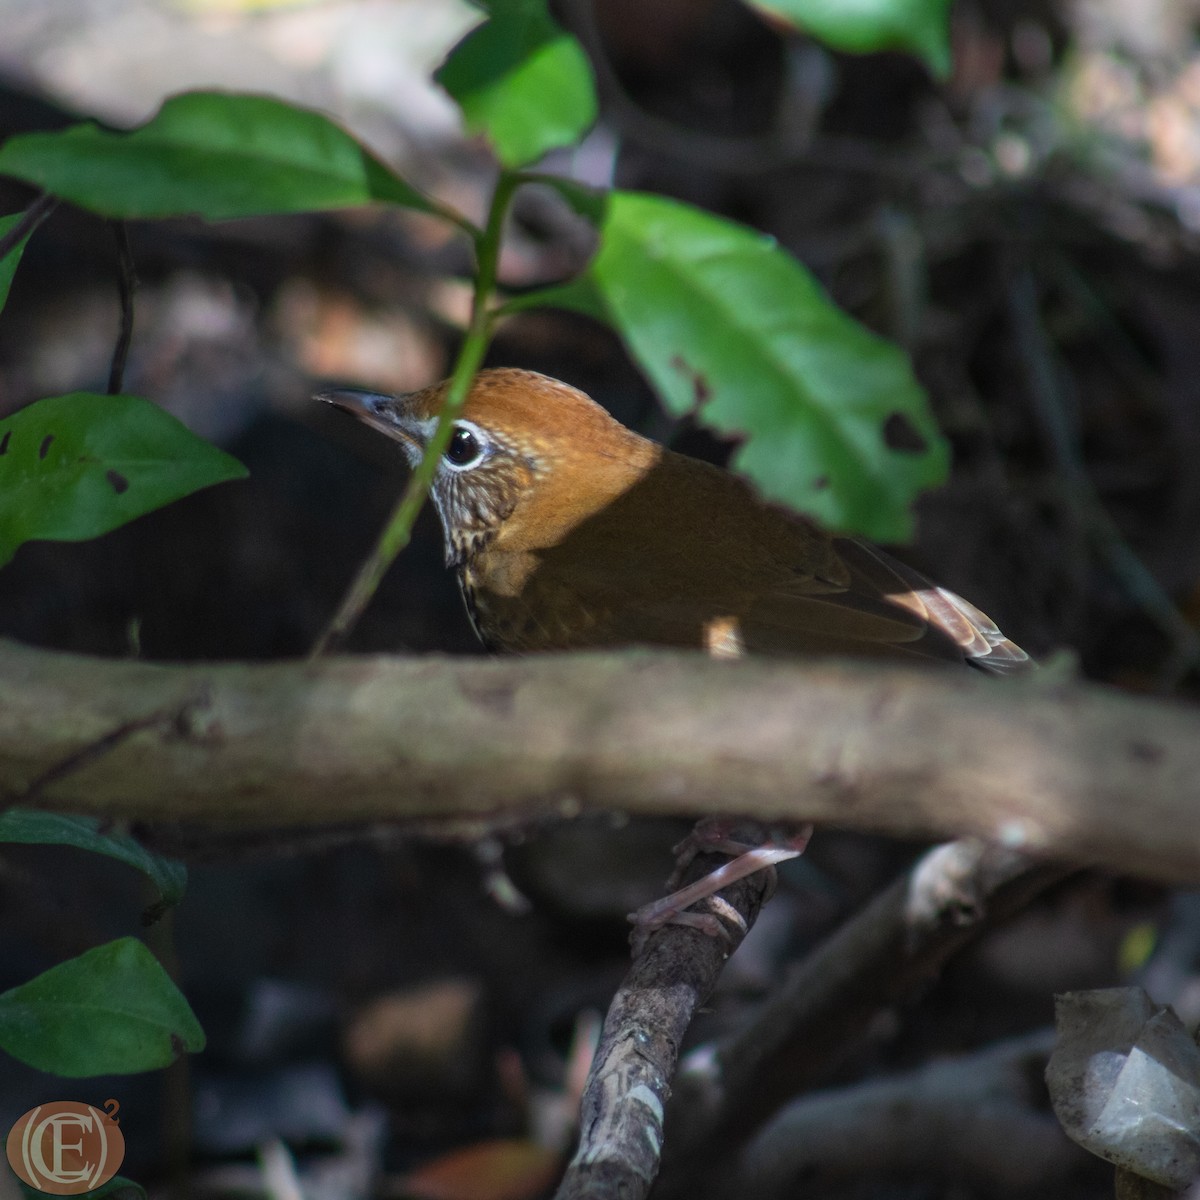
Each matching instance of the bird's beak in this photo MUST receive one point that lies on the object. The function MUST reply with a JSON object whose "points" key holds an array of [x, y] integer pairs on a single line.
{"points": [[388, 414]]}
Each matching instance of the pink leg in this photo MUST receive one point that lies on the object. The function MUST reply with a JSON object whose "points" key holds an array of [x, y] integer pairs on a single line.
{"points": [[711, 834]]}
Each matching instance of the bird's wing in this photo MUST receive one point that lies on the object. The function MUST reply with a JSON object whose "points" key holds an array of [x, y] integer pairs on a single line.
{"points": [[857, 601], [877, 605]]}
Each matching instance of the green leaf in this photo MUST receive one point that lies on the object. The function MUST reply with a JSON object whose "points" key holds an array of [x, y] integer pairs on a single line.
{"points": [[732, 328], [117, 1188], [76, 466], [522, 81], [112, 1010], [30, 827], [216, 154], [863, 26], [8, 264]]}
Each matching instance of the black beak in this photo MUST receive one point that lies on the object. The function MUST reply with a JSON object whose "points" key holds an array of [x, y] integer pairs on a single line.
{"points": [[364, 405], [385, 413]]}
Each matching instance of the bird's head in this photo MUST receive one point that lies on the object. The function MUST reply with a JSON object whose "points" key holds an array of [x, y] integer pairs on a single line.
{"points": [[529, 457]]}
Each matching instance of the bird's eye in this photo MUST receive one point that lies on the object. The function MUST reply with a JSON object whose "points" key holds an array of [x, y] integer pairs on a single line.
{"points": [[465, 448]]}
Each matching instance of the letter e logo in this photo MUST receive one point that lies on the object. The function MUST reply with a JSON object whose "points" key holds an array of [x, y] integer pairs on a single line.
{"points": [[65, 1148]]}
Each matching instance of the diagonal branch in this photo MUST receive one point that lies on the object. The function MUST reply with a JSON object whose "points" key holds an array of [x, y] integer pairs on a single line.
{"points": [[878, 958], [625, 1098]]}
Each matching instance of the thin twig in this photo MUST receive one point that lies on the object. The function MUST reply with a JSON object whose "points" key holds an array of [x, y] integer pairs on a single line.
{"points": [[127, 287], [398, 530], [1107, 540], [32, 217], [97, 749]]}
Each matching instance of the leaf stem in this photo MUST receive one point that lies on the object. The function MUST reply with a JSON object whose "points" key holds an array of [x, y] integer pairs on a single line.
{"points": [[448, 213], [126, 287], [398, 531], [31, 218]]}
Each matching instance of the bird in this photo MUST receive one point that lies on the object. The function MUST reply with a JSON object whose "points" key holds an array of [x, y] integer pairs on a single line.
{"points": [[567, 530]]}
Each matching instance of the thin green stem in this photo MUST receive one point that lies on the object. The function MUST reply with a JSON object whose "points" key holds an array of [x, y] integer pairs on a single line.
{"points": [[31, 218], [398, 531], [448, 212]]}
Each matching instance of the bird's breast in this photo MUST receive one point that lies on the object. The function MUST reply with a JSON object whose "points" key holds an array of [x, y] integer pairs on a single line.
{"points": [[516, 610]]}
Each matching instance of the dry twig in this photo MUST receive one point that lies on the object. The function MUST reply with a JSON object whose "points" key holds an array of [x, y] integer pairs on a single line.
{"points": [[947, 899], [621, 1115]]}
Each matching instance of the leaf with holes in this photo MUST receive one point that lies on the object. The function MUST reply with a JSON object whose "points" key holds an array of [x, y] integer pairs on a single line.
{"points": [[521, 81], [215, 154], [921, 27], [76, 466], [33, 827], [111, 1010], [8, 264], [732, 328]]}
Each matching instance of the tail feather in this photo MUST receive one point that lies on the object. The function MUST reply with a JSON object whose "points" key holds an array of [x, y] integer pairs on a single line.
{"points": [[982, 643], [986, 648]]}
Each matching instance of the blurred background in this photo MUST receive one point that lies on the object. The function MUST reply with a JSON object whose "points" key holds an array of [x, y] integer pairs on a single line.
{"points": [[1029, 230]]}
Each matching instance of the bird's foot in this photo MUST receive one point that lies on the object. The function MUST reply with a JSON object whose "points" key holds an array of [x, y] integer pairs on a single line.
{"points": [[712, 835]]}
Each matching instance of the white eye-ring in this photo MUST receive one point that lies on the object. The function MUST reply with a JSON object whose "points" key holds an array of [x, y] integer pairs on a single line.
{"points": [[468, 445]]}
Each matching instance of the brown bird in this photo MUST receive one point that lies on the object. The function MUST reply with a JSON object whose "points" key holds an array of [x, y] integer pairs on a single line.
{"points": [[569, 530]]}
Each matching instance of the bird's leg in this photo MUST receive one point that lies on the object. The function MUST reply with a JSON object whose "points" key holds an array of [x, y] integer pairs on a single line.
{"points": [[712, 835]]}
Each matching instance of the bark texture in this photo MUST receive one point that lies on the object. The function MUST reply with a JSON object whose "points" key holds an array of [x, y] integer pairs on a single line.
{"points": [[1043, 765]]}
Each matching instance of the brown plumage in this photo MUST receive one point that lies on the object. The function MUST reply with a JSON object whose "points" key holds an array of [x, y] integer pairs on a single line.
{"points": [[568, 530]]}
